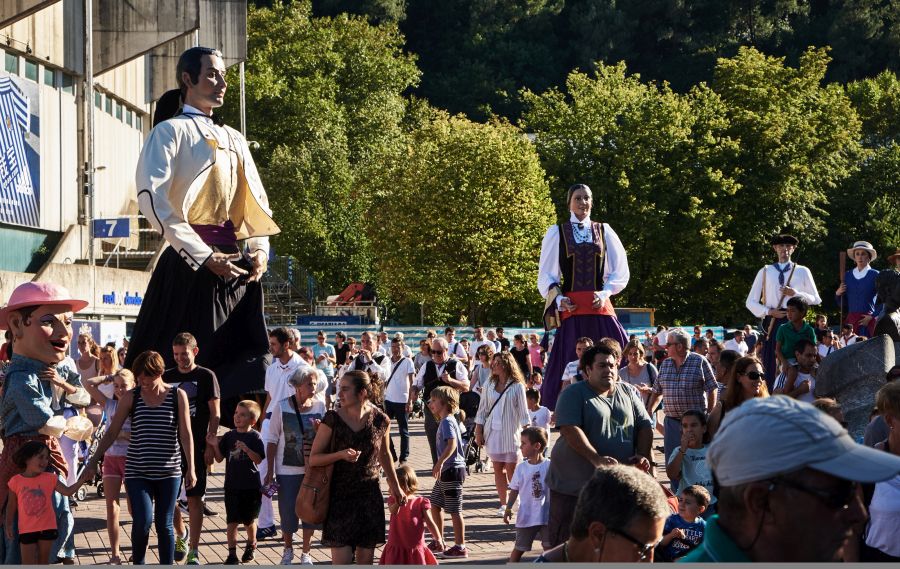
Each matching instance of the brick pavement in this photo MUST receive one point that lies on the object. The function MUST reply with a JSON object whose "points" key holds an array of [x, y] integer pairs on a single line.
{"points": [[487, 539]]}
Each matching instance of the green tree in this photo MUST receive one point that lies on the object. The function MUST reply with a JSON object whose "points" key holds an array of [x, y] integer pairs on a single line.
{"points": [[650, 156], [325, 103], [377, 11], [461, 227]]}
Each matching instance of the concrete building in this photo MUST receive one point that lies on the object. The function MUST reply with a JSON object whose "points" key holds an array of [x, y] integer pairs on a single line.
{"points": [[78, 83]]}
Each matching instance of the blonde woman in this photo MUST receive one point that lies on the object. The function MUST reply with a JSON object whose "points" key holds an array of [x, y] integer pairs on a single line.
{"points": [[114, 460], [502, 413]]}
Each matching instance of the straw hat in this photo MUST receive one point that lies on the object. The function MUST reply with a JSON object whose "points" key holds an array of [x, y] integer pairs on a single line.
{"points": [[865, 246]]}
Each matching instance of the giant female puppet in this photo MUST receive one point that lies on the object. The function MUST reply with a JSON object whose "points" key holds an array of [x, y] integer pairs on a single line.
{"points": [[582, 265], [198, 186]]}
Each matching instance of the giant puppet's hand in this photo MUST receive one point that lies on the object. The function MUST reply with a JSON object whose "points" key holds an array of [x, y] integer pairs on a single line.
{"points": [[221, 264], [260, 263]]}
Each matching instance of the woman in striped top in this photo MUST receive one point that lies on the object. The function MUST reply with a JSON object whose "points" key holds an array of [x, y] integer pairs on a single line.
{"points": [[502, 413], [153, 467]]}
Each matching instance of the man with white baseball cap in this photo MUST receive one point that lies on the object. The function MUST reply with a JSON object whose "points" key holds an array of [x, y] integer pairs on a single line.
{"points": [[792, 501]]}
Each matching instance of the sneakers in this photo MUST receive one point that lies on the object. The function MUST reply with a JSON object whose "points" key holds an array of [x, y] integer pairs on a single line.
{"points": [[266, 533], [183, 506], [456, 552], [193, 557], [249, 553], [287, 557], [436, 548], [501, 511], [181, 547], [305, 559], [232, 558]]}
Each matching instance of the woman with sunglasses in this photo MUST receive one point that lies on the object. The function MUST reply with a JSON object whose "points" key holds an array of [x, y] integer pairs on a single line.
{"points": [[745, 380]]}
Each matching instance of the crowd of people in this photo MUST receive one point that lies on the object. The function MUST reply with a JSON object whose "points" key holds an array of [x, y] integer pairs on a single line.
{"points": [[334, 404], [566, 425]]}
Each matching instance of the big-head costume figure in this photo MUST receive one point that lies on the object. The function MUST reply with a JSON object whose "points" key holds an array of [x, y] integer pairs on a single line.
{"points": [[198, 186], [583, 263], [39, 316]]}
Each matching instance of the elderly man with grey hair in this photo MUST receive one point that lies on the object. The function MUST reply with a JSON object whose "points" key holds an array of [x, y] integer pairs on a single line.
{"points": [[443, 369], [619, 517], [791, 502], [686, 382]]}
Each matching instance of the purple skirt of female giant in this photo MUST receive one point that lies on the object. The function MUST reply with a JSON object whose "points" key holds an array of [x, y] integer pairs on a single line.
{"points": [[563, 352]]}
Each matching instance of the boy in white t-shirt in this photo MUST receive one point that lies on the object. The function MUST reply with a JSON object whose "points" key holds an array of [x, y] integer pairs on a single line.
{"points": [[572, 373], [538, 414], [530, 478]]}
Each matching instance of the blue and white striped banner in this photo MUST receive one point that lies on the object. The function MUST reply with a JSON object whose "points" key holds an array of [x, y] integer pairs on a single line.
{"points": [[19, 152]]}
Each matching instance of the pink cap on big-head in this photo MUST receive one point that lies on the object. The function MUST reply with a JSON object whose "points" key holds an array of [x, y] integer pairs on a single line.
{"points": [[39, 294]]}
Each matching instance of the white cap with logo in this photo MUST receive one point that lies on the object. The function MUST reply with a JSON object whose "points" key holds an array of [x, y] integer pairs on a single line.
{"points": [[767, 437]]}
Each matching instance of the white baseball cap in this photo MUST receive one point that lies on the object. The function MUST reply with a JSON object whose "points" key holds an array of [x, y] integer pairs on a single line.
{"points": [[767, 437]]}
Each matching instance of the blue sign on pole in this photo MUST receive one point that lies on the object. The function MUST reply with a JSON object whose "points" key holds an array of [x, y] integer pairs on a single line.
{"points": [[112, 228]]}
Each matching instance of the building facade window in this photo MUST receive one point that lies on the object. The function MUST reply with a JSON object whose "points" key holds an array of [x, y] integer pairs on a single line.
{"points": [[129, 117], [98, 100], [49, 77], [109, 103], [31, 70], [118, 110], [67, 83], [11, 63]]}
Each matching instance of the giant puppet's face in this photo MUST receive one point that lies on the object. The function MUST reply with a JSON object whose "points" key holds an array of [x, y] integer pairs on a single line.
{"points": [[209, 91], [44, 335], [580, 203]]}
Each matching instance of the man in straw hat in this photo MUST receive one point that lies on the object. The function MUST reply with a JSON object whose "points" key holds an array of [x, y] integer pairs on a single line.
{"points": [[858, 289], [39, 315], [794, 501], [773, 286], [888, 287]]}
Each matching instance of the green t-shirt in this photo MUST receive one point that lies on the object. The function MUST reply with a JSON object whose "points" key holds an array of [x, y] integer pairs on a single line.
{"points": [[609, 423], [717, 547], [789, 337]]}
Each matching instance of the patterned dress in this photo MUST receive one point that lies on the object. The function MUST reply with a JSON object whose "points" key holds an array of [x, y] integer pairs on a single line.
{"points": [[356, 507]]}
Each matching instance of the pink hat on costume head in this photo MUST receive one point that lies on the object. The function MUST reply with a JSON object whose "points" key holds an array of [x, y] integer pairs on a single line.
{"points": [[39, 294]]}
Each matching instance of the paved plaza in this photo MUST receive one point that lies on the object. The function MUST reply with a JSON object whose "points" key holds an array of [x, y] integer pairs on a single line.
{"points": [[487, 538]]}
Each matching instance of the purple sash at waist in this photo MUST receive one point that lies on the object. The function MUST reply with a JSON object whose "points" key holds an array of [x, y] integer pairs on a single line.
{"points": [[217, 234]]}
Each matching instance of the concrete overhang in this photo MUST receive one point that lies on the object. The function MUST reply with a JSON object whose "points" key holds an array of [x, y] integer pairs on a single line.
{"points": [[223, 25], [11, 11]]}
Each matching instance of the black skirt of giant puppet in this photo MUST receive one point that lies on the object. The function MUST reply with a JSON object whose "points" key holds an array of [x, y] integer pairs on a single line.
{"points": [[224, 315]]}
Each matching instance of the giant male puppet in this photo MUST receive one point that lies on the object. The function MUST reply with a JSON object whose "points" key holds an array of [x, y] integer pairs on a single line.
{"points": [[198, 186], [583, 263]]}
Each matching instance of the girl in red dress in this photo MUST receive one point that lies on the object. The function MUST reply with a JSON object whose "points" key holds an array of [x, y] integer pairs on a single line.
{"points": [[406, 538]]}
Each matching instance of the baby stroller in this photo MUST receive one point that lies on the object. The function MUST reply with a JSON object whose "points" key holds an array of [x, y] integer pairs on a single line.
{"points": [[468, 404], [85, 450]]}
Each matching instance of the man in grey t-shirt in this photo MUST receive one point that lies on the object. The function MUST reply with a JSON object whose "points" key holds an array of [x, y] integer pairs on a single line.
{"points": [[601, 421]]}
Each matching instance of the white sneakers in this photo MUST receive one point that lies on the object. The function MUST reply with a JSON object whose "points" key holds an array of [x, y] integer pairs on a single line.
{"points": [[287, 557], [305, 559]]}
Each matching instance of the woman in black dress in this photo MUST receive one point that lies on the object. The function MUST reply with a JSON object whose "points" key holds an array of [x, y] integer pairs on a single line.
{"points": [[355, 522]]}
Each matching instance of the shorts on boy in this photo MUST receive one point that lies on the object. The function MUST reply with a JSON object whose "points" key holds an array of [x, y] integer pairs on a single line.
{"points": [[526, 536], [447, 492], [242, 506]]}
